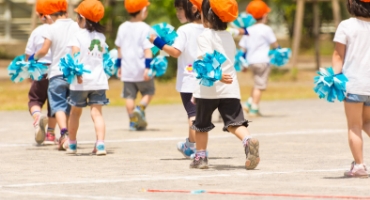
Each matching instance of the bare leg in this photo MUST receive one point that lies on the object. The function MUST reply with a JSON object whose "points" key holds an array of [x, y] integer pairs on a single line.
{"points": [[146, 99], [130, 106], [36, 110], [74, 122], [202, 140], [62, 119], [354, 113], [240, 132], [256, 96], [191, 131], [97, 117], [366, 120]]}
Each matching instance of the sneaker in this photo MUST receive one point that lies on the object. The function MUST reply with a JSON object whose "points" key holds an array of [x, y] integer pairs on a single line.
{"points": [[100, 150], [199, 163], [247, 107], [357, 171], [140, 114], [72, 149], [63, 142], [185, 150], [50, 139], [254, 113], [252, 153], [133, 126], [40, 123]]}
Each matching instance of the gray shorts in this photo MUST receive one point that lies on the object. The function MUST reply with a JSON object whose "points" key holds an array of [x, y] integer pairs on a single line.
{"points": [[87, 98], [130, 89], [261, 74]]}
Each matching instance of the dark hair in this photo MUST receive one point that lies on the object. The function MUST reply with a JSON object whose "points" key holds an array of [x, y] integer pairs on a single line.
{"points": [[212, 18], [188, 8], [92, 26], [134, 14], [59, 14], [358, 8]]}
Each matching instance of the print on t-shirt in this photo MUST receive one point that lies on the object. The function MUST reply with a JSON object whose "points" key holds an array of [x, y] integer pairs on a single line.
{"points": [[96, 50]]}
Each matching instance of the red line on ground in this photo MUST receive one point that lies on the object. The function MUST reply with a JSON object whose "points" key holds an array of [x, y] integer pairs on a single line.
{"points": [[263, 194]]}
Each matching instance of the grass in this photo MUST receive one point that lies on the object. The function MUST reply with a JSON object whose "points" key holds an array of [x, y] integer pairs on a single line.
{"points": [[281, 87]]}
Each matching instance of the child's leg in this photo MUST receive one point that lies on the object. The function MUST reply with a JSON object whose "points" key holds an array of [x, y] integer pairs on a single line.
{"points": [[99, 124], [130, 106], [354, 120], [74, 122], [261, 73], [366, 119], [147, 90]]}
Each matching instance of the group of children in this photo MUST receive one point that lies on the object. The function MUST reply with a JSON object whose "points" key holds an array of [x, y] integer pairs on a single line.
{"points": [[204, 32]]}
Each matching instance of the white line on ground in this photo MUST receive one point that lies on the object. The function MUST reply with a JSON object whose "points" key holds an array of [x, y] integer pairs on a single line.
{"points": [[304, 132], [163, 178], [71, 196]]}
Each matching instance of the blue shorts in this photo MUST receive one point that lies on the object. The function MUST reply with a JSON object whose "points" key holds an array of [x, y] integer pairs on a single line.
{"points": [[356, 98], [95, 97], [58, 92]]}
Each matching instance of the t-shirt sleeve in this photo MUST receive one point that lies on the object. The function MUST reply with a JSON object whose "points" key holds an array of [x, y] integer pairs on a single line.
{"points": [[146, 43], [118, 41], [243, 42], [74, 42], [180, 41], [270, 36], [340, 35], [204, 46], [30, 47], [48, 34]]}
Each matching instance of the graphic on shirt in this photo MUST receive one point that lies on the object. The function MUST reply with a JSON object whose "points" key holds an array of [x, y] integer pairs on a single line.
{"points": [[96, 48], [189, 68]]}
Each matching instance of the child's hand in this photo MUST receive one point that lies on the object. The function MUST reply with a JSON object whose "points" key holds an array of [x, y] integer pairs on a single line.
{"points": [[152, 37], [226, 78], [119, 73], [193, 100], [80, 80], [146, 76], [245, 69]]}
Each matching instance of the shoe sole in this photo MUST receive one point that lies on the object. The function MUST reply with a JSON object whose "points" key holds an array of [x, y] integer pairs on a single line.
{"points": [[40, 135], [71, 152], [50, 143], [253, 157], [101, 153], [200, 167], [141, 122], [246, 109], [63, 145], [356, 176]]}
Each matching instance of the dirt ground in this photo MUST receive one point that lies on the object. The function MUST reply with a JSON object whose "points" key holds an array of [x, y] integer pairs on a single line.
{"points": [[303, 148]]}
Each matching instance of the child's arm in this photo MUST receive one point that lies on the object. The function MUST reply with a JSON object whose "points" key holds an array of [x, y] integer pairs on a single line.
{"points": [[148, 59], [43, 51], [338, 57], [74, 51], [172, 51]]}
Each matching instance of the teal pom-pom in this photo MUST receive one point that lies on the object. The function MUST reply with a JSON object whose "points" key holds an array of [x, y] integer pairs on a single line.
{"points": [[330, 86], [244, 20], [109, 59], [280, 56], [158, 66], [19, 69], [208, 70], [166, 32], [240, 61], [71, 67]]}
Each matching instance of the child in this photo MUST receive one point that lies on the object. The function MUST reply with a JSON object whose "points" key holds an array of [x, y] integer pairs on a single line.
{"points": [[90, 42], [184, 49], [351, 57], [134, 57], [38, 92], [257, 46], [224, 95], [56, 39]]}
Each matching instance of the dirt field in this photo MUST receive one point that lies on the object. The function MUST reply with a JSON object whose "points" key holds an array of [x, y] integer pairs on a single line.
{"points": [[304, 152]]}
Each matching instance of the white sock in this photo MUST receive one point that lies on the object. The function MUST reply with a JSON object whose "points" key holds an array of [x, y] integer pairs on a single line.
{"points": [[250, 100], [254, 106]]}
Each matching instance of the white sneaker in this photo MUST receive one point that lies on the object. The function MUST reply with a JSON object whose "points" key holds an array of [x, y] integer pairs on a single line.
{"points": [[40, 125]]}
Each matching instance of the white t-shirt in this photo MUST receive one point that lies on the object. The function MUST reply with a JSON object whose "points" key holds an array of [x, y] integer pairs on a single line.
{"points": [[258, 43], [354, 33], [223, 42], [92, 46], [186, 42], [35, 43], [59, 33], [132, 38]]}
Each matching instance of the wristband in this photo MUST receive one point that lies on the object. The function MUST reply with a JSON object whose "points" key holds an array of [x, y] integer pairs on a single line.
{"points": [[246, 31], [158, 42], [32, 58], [245, 55], [147, 62], [118, 62]]}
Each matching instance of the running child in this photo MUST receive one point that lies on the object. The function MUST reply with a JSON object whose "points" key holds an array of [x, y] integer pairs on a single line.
{"points": [[56, 39], [224, 95], [184, 48], [38, 92], [257, 46], [352, 57], [89, 89], [134, 57]]}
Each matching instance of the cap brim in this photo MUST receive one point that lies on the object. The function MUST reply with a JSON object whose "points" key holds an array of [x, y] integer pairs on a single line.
{"points": [[76, 10]]}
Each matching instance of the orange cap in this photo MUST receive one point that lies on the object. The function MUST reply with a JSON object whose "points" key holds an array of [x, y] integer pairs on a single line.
{"points": [[226, 10], [257, 9], [197, 3], [133, 6], [48, 7], [92, 10]]}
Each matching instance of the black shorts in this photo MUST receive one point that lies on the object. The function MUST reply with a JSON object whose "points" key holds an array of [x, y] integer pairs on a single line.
{"points": [[188, 105], [230, 109], [38, 94]]}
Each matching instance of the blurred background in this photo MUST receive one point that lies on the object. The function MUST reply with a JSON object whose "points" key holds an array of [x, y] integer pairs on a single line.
{"points": [[294, 81]]}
